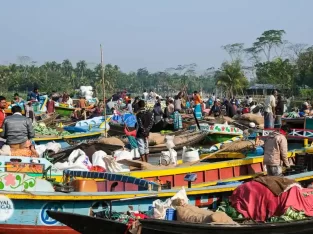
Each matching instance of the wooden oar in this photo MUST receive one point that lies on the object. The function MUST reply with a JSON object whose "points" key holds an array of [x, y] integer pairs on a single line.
{"points": [[216, 152]]}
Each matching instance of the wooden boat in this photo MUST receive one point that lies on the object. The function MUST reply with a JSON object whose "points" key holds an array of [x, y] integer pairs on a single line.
{"points": [[152, 226], [93, 224], [64, 111], [217, 133], [87, 224], [187, 139], [31, 202], [222, 166], [67, 141]]}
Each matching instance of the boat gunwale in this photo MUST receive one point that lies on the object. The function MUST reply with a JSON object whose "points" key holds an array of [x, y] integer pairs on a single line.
{"points": [[136, 194]]}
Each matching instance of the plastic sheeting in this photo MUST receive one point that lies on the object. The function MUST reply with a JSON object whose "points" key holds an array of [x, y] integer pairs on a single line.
{"points": [[255, 201]]}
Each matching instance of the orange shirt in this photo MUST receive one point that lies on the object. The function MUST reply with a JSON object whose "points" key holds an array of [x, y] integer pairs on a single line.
{"points": [[82, 103], [197, 100]]}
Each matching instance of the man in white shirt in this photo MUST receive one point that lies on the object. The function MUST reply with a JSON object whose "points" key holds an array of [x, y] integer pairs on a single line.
{"points": [[250, 100], [213, 97], [145, 95], [269, 110]]}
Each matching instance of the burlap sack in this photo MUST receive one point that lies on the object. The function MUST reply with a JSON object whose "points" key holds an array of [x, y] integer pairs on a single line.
{"points": [[253, 118], [228, 119], [111, 141], [193, 214], [156, 139], [221, 217], [238, 146], [243, 122]]}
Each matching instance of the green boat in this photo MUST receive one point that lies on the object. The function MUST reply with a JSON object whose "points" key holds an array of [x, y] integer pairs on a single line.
{"points": [[64, 111], [218, 133]]}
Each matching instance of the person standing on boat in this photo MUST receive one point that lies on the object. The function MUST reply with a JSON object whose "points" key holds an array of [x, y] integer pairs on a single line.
{"points": [[216, 110], [82, 103], [34, 95], [177, 103], [145, 121], [158, 113], [279, 111], [29, 109], [145, 95], [230, 110], [170, 108], [197, 104], [50, 105], [129, 106], [3, 105], [269, 110], [276, 152], [135, 105], [17, 100]]}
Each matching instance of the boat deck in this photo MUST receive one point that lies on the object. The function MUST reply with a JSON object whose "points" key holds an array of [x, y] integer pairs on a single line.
{"points": [[135, 194]]}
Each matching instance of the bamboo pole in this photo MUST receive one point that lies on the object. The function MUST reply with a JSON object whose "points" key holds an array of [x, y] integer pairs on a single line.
{"points": [[103, 90]]}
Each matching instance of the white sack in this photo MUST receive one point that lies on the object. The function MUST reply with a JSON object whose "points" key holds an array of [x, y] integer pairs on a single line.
{"points": [[77, 160], [160, 207]]}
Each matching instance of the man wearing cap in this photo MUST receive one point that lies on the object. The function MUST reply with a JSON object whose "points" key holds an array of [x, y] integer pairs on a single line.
{"points": [[276, 152]]}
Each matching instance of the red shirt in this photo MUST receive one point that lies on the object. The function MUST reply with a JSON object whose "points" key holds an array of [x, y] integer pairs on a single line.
{"points": [[2, 117], [245, 110], [50, 106]]}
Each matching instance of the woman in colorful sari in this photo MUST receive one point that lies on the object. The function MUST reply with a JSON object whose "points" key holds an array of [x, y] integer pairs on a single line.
{"points": [[197, 104]]}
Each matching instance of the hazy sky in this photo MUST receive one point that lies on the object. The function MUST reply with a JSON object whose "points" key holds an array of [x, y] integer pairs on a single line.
{"points": [[156, 34]]}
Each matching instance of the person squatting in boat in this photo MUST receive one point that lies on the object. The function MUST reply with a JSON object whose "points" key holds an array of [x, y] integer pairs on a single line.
{"points": [[145, 121], [276, 152], [18, 132]]}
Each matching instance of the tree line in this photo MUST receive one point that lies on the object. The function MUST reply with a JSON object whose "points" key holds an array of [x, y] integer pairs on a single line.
{"points": [[269, 60]]}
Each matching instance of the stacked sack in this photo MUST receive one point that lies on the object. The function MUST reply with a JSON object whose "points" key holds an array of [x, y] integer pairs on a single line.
{"points": [[246, 119], [193, 214]]}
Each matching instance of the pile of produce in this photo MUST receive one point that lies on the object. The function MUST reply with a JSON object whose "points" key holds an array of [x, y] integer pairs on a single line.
{"points": [[290, 214], [291, 115], [229, 210], [42, 130]]}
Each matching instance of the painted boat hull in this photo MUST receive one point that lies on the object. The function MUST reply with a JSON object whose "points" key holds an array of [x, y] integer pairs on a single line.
{"points": [[38, 229], [86, 224], [217, 138], [64, 111], [30, 208], [91, 224], [67, 141], [171, 227]]}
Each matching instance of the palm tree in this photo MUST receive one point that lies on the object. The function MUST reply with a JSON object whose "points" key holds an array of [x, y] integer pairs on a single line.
{"points": [[231, 78], [81, 67], [67, 68]]}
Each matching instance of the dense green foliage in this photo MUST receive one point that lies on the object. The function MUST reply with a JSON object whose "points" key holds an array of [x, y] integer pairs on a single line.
{"points": [[53, 76], [270, 60]]}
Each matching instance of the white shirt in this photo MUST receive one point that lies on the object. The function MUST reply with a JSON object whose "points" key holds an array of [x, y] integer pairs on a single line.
{"points": [[145, 95], [269, 104], [70, 101], [129, 107], [250, 100]]}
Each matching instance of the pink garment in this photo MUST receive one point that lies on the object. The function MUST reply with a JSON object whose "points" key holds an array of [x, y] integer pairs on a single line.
{"points": [[254, 200]]}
